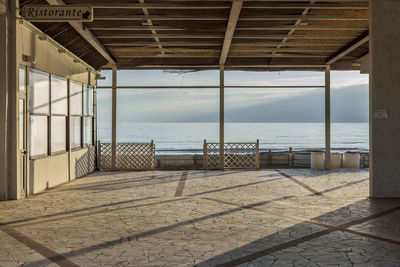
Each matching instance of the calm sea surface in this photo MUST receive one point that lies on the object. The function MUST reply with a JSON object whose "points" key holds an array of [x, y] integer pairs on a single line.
{"points": [[180, 138]]}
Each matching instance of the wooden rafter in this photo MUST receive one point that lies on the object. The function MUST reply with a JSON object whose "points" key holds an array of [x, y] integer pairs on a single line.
{"points": [[348, 48], [238, 34], [221, 18], [252, 28], [222, 5], [220, 36], [150, 22], [296, 24], [216, 43], [87, 35]]}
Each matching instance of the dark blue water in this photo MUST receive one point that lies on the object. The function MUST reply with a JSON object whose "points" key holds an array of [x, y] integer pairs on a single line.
{"points": [[182, 138]]}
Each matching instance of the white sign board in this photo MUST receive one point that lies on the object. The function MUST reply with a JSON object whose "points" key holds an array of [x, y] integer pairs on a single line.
{"points": [[42, 13]]}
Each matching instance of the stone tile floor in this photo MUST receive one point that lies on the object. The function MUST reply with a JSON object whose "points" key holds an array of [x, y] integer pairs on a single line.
{"points": [[295, 217]]}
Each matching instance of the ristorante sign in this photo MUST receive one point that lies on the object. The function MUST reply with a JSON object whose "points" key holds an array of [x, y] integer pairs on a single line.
{"points": [[42, 13]]}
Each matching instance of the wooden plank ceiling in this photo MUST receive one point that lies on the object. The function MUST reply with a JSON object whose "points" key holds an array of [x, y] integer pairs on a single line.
{"points": [[197, 34]]}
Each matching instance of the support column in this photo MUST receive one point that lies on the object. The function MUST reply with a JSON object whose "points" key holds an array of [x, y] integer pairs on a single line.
{"points": [[385, 99], [221, 117], [9, 158], [114, 118], [328, 118]]}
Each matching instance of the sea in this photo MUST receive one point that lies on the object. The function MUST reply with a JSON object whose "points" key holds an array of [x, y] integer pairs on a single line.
{"points": [[188, 138]]}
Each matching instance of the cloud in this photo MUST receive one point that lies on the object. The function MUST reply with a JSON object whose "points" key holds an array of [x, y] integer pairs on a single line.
{"points": [[170, 104]]}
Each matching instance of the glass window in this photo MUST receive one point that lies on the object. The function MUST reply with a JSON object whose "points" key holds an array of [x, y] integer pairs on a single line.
{"points": [[58, 134], [59, 95], [22, 78], [21, 123], [75, 132], [87, 134], [76, 98], [38, 135], [39, 92], [88, 101]]}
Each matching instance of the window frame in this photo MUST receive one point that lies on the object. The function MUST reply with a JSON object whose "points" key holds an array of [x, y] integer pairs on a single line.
{"points": [[65, 115], [88, 113], [38, 114]]}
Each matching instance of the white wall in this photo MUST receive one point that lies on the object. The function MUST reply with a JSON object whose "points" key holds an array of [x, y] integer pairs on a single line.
{"points": [[49, 171]]}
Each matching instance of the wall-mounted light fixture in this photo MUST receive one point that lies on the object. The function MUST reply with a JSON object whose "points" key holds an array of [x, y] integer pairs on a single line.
{"points": [[29, 59]]}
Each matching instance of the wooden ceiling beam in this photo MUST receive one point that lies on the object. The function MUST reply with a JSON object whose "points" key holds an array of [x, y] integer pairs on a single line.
{"points": [[266, 1], [230, 30], [236, 44], [220, 18], [196, 50], [210, 67], [253, 28], [216, 56], [87, 35], [348, 48], [151, 26], [296, 24], [219, 36], [222, 5]]}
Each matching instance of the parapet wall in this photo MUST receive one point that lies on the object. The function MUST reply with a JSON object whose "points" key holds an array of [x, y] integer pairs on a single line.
{"points": [[267, 160]]}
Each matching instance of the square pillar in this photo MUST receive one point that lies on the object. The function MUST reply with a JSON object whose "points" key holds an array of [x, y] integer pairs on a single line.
{"points": [[114, 119], [9, 62], [328, 118], [221, 118], [385, 99]]}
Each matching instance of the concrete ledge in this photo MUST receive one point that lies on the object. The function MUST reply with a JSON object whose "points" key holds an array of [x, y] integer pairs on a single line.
{"points": [[276, 160]]}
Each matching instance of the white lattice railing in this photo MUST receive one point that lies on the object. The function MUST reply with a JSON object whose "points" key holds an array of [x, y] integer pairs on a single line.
{"points": [[128, 156], [236, 155]]}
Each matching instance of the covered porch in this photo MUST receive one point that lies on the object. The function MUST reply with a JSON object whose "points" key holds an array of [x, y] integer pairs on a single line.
{"points": [[204, 218]]}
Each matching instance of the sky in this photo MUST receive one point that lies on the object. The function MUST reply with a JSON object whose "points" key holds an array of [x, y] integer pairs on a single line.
{"points": [[349, 97]]}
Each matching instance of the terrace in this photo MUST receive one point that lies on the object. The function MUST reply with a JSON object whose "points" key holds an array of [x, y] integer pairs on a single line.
{"points": [[204, 218], [254, 217]]}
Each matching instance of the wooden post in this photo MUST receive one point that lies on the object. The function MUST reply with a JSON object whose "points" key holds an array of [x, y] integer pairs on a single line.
{"points": [[258, 154], [328, 117], [221, 118], [269, 158], [114, 119], [153, 154], [205, 156], [290, 157], [98, 155]]}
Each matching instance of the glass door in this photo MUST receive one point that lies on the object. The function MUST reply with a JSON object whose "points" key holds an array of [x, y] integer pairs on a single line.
{"points": [[22, 132]]}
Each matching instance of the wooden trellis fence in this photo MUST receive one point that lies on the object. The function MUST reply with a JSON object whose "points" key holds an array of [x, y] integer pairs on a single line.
{"points": [[129, 156], [236, 155]]}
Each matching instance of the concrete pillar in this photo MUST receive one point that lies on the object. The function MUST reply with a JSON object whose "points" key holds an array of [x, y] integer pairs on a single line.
{"points": [[9, 159], [385, 98]]}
